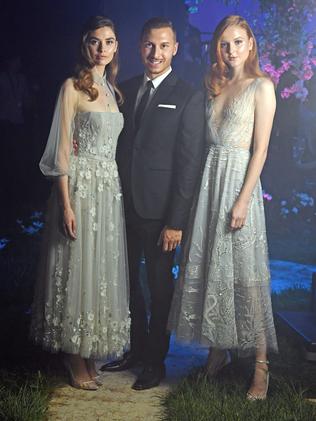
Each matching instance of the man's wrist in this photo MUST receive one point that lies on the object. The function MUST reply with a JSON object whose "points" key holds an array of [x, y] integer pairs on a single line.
{"points": [[168, 227]]}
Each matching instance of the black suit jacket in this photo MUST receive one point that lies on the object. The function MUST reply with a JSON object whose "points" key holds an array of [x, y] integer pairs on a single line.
{"points": [[160, 164]]}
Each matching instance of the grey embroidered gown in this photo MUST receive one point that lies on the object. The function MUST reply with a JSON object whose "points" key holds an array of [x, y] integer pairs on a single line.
{"points": [[222, 298], [81, 296]]}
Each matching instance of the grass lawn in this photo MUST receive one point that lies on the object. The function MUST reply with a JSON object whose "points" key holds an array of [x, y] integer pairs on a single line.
{"points": [[27, 375], [292, 380], [23, 397]]}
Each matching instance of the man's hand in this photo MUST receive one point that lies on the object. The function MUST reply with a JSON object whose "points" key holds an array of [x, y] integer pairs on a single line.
{"points": [[169, 238]]}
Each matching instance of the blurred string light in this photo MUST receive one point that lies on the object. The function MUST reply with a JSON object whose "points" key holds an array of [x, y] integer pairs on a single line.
{"points": [[33, 225], [299, 202], [3, 243], [192, 6]]}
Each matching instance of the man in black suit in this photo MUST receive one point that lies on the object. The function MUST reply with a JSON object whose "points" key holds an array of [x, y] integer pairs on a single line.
{"points": [[159, 158]]}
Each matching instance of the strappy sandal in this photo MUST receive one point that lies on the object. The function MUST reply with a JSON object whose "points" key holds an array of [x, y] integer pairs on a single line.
{"points": [[262, 396], [84, 385], [98, 379]]}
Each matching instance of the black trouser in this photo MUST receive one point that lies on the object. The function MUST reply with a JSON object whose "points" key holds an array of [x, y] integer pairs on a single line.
{"points": [[149, 341]]}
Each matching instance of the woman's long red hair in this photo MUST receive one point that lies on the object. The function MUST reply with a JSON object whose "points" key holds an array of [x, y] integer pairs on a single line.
{"points": [[219, 72]]}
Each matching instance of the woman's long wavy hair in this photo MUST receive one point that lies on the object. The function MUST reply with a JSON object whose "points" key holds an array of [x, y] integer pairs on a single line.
{"points": [[219, 72], [83, 80]]}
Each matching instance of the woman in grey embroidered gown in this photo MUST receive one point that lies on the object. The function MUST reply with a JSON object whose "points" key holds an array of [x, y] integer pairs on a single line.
{"points": [[81, 297], [223, 295]]}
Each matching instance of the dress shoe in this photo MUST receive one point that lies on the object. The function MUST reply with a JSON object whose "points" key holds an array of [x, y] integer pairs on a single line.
{"points": [[127, 362], [150, 377]]}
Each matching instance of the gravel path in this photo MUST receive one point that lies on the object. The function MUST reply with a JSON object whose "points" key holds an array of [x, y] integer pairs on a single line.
{"points": [[116, 401]]}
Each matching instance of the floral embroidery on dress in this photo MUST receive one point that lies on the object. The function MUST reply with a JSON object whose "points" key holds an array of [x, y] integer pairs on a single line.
{"points": [[85, 306]]}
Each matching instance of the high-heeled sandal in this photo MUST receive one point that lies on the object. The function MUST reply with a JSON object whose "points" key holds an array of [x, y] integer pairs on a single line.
{"points": [[216, 361], [250, 396], [98, 379], [84, 385]]}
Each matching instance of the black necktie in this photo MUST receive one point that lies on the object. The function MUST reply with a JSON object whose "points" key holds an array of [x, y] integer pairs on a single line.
{"points": [[142, 104]]}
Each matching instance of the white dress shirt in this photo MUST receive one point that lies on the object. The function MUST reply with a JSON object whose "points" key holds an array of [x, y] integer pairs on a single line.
{"points": [[156, 82]]}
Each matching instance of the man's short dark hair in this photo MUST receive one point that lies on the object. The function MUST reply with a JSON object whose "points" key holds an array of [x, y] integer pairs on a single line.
{"points": [[157, 23]]}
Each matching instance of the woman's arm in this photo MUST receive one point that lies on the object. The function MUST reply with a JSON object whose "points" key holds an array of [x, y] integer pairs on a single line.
{"points": [[265, 105], [68, 109], [69, 219]]}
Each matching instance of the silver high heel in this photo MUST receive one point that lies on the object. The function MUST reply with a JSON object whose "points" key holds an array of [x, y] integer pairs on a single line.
{"points": [[250, 396], [217, 359], [98, 380], [84, 385]]}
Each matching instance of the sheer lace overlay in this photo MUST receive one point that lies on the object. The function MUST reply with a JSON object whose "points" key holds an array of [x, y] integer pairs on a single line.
{"points": [[222, 298], [81, 296]]}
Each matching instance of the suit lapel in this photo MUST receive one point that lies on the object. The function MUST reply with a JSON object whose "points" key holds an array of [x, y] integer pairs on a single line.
{"points": [[163, 91]]}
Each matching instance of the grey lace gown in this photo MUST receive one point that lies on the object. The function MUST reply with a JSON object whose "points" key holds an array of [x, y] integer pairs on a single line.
{"points": [[81, 297], [222, 298]]}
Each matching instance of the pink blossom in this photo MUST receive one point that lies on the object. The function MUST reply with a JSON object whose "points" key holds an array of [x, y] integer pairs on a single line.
{"points": [[285, 93], [286, 65], [273, 72], [307, 66], [296, 89], [283, 53], [268, 68], [298, 62], [267, 196], [308, 74]]}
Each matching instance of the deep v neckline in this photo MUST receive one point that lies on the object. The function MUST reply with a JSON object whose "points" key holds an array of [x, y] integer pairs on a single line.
{"points": [[228, 106]]}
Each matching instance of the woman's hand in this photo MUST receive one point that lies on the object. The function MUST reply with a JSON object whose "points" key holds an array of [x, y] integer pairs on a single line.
{"points": [[69, 223], [239, 214]]}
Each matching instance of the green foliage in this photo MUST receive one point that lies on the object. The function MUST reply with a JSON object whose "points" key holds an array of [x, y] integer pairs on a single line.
{"points": [[23, 399], [203, 400]]}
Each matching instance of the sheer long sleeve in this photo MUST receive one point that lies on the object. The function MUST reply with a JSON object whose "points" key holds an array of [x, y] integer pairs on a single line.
{"points": [[55, 160]]}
